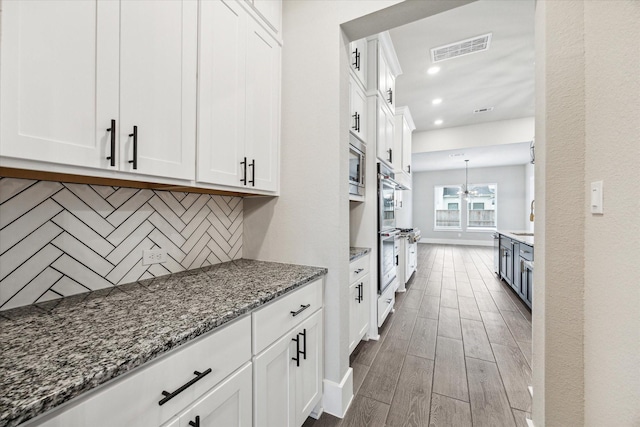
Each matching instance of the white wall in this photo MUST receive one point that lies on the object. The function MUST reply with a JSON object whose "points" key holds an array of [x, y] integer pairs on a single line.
{"points": [[586, 327], [612, 241], [485, 134], [510, 199]]}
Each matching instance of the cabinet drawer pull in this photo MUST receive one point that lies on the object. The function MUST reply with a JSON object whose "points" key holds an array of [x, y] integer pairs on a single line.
{"points": [[135, 147], [356, 63], [358, 271], [389, 301], [244, 179], [390, 92], [168, 396], [195, 423], [302, 308], [112, 156], [390, 150], [253, 173]]}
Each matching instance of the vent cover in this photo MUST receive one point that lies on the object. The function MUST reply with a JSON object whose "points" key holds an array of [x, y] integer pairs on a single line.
{"points": [[482, 110], [461, 48]]}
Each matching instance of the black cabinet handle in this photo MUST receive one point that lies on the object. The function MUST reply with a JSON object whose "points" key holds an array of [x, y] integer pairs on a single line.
{"points": [[390, 92], [244, 179], [390, 155], [253, 173], [356, 62], [112, 156], [397, 261], [355, 122], [304, 343], [409, 169], [135, 147], [168, 396], [358, 271], [358, 122], [302, 308], [195, 423], [297, 358]]}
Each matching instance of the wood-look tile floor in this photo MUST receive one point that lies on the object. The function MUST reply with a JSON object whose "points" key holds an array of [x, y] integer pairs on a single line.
{"points": [[456, 352]]}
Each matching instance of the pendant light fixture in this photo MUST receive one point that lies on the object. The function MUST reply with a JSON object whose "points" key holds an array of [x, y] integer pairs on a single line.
{"points": [[465, 192]]}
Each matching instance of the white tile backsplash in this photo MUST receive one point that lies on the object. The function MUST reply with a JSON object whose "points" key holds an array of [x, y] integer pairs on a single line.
{"points": [[59, 239]]}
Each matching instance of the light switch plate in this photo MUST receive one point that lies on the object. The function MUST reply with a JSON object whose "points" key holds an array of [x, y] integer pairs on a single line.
{"points": [[596, 198]]}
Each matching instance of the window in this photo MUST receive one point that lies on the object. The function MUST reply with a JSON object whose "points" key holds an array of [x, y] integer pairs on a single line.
{"points": [[447, 207], [482, 206]]}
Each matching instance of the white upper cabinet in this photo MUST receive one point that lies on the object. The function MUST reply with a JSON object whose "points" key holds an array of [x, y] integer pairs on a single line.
{"points": [[385, 132], [158, 57], [404, 127], [358, 60], [357, 110], [72, 70], [238, 99], [59, 81], [262, 108], [221, 100]]}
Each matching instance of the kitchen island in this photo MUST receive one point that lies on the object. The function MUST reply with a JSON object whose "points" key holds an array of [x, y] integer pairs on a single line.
{"points": [[55, 351], [516, 263]]}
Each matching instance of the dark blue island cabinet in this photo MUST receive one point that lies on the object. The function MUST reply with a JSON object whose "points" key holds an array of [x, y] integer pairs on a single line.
{"points": [[516, 267]]}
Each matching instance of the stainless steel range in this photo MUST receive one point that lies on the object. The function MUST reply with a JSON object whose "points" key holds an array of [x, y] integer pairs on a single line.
{"points": [[412, 234]]}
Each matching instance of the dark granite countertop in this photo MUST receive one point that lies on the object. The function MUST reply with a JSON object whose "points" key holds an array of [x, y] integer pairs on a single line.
{"points": [[54, 351], [355, 253]]}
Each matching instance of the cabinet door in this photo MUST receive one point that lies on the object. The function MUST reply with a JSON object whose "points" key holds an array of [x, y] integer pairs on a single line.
{"points": [[229, 404], [262, 108], [358, 60], [308, 376], [59, 80], [354, 315], [358, 115], [363, 308], [398, 142], [274, 384], [221, 92], [406, 147], [385, 127], [158, 59]]}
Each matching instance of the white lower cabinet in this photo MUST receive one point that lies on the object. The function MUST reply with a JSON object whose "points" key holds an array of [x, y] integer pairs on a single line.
{"points": [[279, 386], [359, 301], [288, 376]]}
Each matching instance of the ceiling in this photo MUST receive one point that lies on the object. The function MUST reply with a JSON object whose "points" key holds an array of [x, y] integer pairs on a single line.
{"points": [[495, 155], [501, 77]]}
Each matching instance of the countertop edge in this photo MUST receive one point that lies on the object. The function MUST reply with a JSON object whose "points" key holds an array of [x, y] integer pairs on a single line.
{"points": [[527, 240], [359, 253]]}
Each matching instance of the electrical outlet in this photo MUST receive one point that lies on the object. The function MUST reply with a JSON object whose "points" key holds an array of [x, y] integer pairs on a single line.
{"points": [[154, 256]]}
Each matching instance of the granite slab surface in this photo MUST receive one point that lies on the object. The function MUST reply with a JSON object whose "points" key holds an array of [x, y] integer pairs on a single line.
{"points": [[524, 239], [355, 253], [54, 351]]}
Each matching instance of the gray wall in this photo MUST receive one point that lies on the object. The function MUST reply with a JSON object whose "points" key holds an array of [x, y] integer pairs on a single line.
{"points": [[511, 201]]}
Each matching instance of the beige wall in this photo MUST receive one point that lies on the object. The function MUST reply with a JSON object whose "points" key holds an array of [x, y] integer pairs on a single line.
{"points": [[612, 240], [587, 299]]}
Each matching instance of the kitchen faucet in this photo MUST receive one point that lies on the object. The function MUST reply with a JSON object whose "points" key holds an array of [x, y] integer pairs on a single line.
{"points": [[531, 214]]}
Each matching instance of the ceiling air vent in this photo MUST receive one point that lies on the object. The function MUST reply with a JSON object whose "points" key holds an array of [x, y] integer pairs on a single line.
{"points": [[482, 110], [461, 48]]}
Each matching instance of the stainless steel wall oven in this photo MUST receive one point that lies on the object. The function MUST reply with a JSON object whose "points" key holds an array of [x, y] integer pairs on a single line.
{"points": [[387, 233]]}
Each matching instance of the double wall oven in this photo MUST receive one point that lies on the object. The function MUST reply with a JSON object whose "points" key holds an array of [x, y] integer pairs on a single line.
{"points": [[387, 233]]}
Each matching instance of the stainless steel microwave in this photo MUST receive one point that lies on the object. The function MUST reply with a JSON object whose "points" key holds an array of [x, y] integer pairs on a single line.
{"points": [[357, 151]]}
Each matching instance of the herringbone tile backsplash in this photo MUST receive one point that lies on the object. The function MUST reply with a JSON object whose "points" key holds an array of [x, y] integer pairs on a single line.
{"points": [[59, 239]]}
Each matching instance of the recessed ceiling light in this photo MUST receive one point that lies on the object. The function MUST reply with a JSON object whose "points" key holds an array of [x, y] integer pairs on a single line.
{"points": [[433, 70], [456, 155], [438, 122], [437, 101]]}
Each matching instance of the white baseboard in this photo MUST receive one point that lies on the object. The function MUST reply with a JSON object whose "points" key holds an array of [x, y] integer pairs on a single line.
{"points": [[529, 422], [426, 240], [530, 390], [337, 397], [317, 411]]}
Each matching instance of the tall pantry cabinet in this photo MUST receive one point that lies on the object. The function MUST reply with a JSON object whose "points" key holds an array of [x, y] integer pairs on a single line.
{"points": [[108, 85]]}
